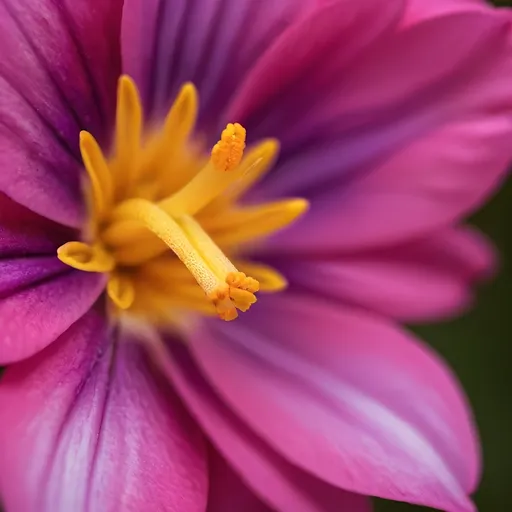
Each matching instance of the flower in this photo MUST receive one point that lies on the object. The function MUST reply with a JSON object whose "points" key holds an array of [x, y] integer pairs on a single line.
{"points": [[122, 393]]}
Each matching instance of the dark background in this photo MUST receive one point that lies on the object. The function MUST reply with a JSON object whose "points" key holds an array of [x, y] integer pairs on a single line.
{"points": [[476, 346]]}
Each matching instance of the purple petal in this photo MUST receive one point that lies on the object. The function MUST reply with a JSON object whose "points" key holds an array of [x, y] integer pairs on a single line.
{"points": [[277, 482], [24, 233], [20, 273], [382, 164], [87, 426], [209, 42], [417, 281], [58, 73], [347, 397], [295, 77], [43, 306]]}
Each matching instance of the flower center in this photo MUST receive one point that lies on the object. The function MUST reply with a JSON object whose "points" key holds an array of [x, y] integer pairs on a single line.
{"points": [[163, 217]]}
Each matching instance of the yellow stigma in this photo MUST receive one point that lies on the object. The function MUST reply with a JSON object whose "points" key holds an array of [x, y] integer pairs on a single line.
{"points": [[166, 223]]}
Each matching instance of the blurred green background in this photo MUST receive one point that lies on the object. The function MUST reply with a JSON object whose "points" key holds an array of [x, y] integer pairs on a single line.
{"points": [[476, 346]]}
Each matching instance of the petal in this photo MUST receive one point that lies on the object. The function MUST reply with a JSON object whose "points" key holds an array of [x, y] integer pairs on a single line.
{"points": [[211, 43], [348, 397], [277, 482], [58, 75], [24, 233], [304, 58], [227, 492], [420, 151], [20, 273], [417, 281], [110, 434], [45, 306], [418, 10]]}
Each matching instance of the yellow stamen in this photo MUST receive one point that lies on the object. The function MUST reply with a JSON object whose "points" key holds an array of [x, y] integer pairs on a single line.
{"points": [[89, 258], [255, 164], [128, 130], [163, 154], [121, 290], [248, 224], [166, 284], [228, 152], [162, 214], [214, 179], [168, 230], [125, 233], [269, 279], [206, 247], [98, 171], [210, 267], [181, 119], [253, 167]]}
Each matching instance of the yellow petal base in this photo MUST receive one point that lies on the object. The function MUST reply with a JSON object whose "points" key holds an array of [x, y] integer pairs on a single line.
{"points": [[165, 222]]}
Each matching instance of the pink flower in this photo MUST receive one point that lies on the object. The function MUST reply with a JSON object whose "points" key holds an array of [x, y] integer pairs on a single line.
{"points": [[122, 394]]}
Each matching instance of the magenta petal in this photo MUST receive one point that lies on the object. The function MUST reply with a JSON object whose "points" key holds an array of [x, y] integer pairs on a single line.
{"points": [[431, 183], [86, 426], [356, 128], [282, 485], [212, 43], [420, 151], [293, 78], [227, 492], [348, 397], [418, 10], [36, 314], [58, 73], [417, 281]]}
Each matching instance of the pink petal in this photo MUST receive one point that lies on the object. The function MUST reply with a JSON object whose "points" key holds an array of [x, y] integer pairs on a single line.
{"points": [[418, 10], [420, 280], [382, 164], [277, 482], [36, 314], [58, 72], [297, 75], [86, 426], [430, 184], [211, 43], [347, 397]]}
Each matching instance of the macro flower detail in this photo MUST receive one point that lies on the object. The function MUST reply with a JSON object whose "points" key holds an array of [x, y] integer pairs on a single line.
{"points": [[141, 206], [299, 167]]}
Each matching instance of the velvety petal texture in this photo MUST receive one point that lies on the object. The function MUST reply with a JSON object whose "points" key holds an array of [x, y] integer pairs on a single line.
{"points": [[212, 43], [40, 297], [420, 280], [348, 397], [277, 482], [381, 165], [228, 493], [87, 426], [58, 73], [35, 314]]}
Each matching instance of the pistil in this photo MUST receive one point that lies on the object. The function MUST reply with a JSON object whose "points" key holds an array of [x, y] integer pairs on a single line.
{"points": [[157, 194]]}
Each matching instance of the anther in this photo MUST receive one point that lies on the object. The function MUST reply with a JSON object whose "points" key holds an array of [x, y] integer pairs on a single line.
{"points": [[228, 152]]}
